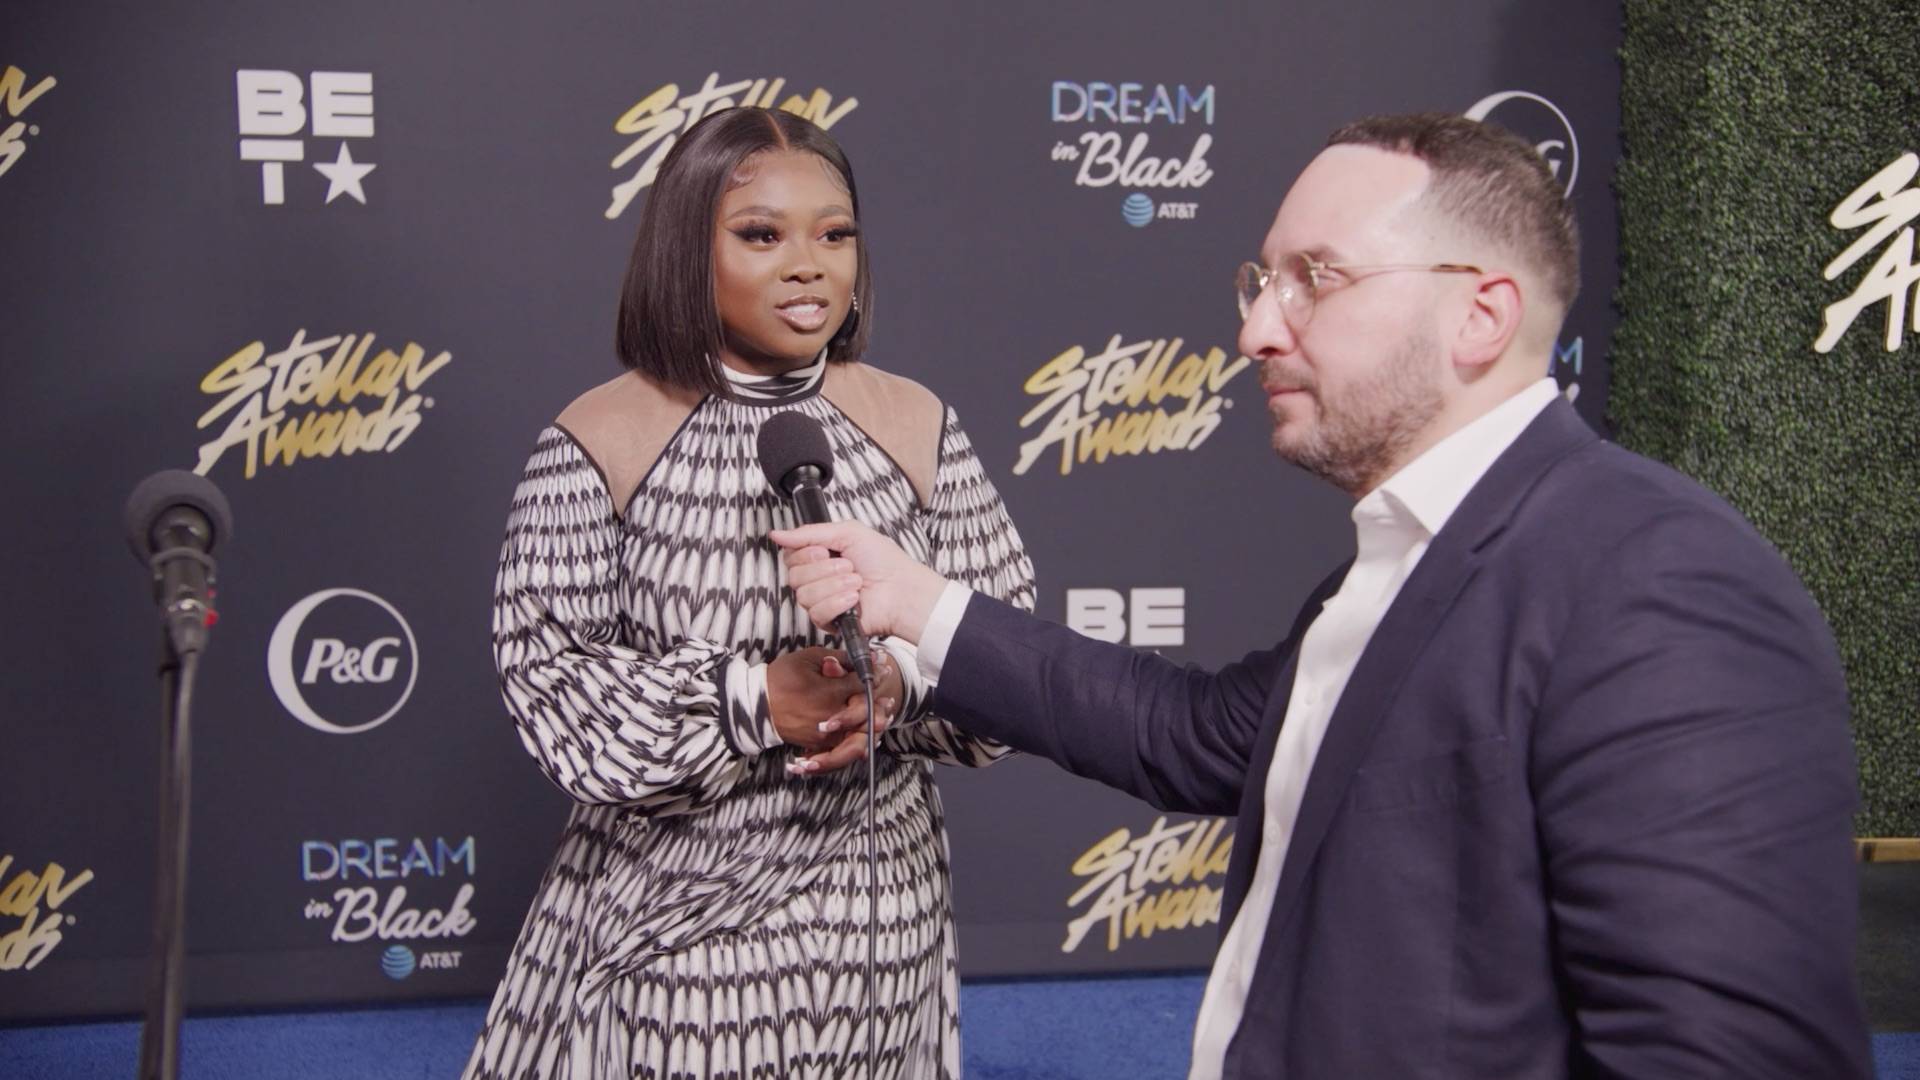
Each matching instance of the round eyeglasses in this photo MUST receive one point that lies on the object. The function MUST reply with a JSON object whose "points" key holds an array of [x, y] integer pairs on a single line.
{"points": [[1297, 281]]}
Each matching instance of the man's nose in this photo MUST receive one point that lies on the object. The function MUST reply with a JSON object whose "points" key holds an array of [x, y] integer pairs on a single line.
{"points": [[1266, 331]]}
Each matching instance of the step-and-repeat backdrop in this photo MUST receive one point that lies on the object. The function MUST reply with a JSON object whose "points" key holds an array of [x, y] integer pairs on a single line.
{"points": [[346, 260]]}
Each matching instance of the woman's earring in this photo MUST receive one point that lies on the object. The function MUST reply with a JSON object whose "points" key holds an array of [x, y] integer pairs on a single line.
{"points": [[847, 328]]}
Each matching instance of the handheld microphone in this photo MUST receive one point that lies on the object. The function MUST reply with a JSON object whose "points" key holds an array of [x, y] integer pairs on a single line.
{"points": [[798, 462], [174, 518]]}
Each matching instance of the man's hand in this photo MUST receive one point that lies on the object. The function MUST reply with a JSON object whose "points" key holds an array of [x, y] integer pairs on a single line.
{"points": [[894, 593], [817, 704]]}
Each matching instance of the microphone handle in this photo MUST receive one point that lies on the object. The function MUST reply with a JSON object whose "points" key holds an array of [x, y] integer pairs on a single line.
{"points": [[183, 573], [810, 502], [809, 498]]}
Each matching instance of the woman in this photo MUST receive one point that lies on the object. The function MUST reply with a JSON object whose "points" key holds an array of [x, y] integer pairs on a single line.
{"points": [[706, 913]]}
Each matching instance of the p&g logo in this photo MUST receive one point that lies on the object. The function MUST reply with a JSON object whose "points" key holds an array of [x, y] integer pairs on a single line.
{"points": [[336, 658], [1541, 123]]}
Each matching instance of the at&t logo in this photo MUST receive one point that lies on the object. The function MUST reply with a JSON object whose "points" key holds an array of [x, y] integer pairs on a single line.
{"points": [[1541, 123], [397, 962], [1139, 211], [342, 661]]}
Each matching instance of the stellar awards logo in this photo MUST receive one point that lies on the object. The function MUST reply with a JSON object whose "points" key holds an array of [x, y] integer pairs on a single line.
{"points": [[660, 118], [1134, 887], [14, 100], [1106, 156], [1122, 400], [1886, 207], [276, 106], [39, 900], [299, 402], [342, 661]]}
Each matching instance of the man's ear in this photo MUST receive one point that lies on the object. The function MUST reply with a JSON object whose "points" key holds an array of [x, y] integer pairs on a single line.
{"points": [[1494, 312]]}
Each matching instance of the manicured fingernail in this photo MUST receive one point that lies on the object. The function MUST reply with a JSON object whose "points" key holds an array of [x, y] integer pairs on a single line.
{"points": [[829, 725]]}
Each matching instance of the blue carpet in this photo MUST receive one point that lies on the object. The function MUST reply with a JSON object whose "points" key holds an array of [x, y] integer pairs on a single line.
{"points": [[1066, 1029]]}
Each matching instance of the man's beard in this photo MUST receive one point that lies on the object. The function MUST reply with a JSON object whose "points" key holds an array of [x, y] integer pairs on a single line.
{"points": [[1358, 439]]}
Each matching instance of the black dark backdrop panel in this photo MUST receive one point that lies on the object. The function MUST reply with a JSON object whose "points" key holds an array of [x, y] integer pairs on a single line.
{"points": [[365, 824]]}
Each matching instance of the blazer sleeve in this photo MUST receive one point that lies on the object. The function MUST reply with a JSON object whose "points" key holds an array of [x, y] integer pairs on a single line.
{"points": [[1179, 737], [1695, 785], [662, 733]]}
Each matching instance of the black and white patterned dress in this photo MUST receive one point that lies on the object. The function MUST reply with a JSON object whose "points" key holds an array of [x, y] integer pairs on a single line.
{"points": [[706, 913]]}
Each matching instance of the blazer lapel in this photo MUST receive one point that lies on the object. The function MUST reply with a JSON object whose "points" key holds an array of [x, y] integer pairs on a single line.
{"points": [[1450, 563]]}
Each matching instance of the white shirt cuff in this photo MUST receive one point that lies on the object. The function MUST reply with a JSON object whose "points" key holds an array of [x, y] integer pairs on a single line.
{"points": [[941, 626], [906, 659]]}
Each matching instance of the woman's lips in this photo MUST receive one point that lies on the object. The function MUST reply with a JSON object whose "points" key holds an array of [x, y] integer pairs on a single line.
{"points": [[805, 316]]}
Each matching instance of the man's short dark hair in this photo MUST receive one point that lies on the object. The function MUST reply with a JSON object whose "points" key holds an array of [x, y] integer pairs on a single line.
{"points": [[669, 322], [1491, 182]]}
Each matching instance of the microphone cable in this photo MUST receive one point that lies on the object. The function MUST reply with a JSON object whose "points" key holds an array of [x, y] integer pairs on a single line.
{"points": [[873, 878]]}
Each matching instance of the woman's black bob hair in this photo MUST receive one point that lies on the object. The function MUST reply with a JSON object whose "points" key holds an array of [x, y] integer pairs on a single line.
{"points": [[669, 323]]}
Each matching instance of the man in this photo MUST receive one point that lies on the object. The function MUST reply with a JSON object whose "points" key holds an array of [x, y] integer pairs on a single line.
{"points": [[1554, 779]]}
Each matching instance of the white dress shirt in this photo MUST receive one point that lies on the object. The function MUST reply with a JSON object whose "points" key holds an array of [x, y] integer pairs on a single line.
{"points": [[1393, 525]]}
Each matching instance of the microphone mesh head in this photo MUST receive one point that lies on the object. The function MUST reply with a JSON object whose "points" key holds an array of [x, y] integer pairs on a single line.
{"points": [[162, 492], [789, 440]]}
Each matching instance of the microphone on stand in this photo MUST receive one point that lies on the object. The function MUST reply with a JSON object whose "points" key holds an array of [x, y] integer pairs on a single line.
{"points": [[173, 520], [798, 462]]}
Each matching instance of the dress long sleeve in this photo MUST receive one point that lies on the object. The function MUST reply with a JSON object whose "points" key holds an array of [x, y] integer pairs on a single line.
{"points": [[974, 542], [607, 723]]}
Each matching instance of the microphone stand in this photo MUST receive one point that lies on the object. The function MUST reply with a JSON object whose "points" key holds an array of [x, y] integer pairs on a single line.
{"points": [[184, 617]]}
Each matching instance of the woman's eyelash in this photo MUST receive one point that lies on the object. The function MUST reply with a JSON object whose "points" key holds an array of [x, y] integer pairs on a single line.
{"points": [[767, 234]]}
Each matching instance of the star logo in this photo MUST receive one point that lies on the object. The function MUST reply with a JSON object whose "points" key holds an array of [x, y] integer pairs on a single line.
{"points": [[344, 175]]}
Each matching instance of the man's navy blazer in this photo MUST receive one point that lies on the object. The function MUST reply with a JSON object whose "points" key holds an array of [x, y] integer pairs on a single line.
{"points": [[1583, 809]]}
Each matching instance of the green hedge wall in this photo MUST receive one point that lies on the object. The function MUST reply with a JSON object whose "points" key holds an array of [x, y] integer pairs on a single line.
{"points": [[1744, 124]]}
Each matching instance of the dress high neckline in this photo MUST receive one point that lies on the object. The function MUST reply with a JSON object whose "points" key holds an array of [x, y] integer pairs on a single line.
{"points": [[782, 389]]}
